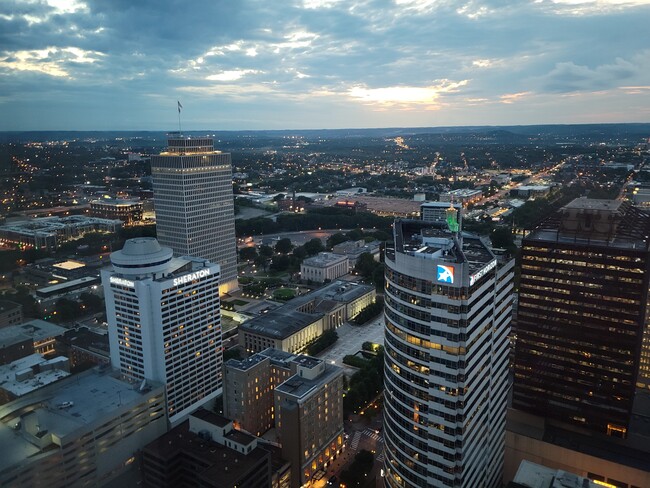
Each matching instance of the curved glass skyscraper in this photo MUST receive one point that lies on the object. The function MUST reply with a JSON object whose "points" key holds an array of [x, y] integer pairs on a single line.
{"points": [[448, 304]]}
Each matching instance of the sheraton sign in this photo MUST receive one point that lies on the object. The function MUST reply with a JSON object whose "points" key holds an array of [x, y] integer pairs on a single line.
{"points": [[202, 273], [121, 282]]}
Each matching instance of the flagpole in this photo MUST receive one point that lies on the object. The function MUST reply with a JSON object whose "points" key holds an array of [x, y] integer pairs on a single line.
{"points": [[180, 132]]}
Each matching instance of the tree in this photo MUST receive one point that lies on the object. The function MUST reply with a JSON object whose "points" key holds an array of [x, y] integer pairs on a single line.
{"points": [[300, 252], [262, 262], [366, 265], [266, 251], [280, 263], [355, 234], [335, 239], [314, 246], [284, 246], [502, 237], [378, 277], [278, 197], [66, 310], [247, 253]]}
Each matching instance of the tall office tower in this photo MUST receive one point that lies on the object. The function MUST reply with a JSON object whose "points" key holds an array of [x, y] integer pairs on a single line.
{"points": [[195, 212], [164, 322], [448, 302], [582, 316]]}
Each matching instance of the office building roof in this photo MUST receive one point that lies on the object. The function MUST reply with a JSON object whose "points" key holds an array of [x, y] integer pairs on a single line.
{"points": [[324, 259], [30, 373], [287, 320], [68, 405], [280, 323], [221, 463], [531, 475], [591, 222], [36, 329], [420, 238], [300, 387], [245, 364]]}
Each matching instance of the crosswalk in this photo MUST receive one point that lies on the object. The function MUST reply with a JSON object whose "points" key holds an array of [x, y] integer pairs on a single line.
{"points": [[372, 434], [380, 457], [354, 444]]}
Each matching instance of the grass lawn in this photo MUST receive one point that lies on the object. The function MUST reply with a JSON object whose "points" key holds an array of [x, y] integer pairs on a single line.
{"points": [[284, 293]]}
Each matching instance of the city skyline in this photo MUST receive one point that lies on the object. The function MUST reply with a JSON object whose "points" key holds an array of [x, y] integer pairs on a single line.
{"points": [[71, 65]]}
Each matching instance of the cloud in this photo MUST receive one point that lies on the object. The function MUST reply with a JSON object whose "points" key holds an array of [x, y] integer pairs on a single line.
{"points": [[51, 61], [514, 97], [325, 62], [405, 95], [231, 75], [570, 77]]}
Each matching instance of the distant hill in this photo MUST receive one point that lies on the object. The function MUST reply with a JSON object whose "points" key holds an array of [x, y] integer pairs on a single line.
{"points": [[499, 134]]}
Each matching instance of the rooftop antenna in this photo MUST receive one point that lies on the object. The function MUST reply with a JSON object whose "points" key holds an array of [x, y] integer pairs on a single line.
{"points": [[180, 132], [452, 217]]}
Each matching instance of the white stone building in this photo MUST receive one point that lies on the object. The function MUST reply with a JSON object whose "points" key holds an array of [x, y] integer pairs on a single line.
{"points": [[325, 266], [164, 322]]}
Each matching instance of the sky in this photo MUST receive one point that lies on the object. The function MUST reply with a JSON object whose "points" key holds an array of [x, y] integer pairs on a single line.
{"points": [[311, 64]]}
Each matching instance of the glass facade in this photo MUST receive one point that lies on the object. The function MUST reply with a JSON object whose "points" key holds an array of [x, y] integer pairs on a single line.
{"points": [[581, 319], [446, 366]]}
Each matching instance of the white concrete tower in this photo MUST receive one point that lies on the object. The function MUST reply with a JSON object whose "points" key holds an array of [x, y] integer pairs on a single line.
{"points": [[195, 210], [448, 303], [164, 322]]}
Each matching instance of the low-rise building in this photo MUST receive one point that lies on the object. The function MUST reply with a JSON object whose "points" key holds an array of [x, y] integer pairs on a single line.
{"points": [[28, 374], [81, 431], [606, 459], [530, 191], [531, 475], [293, 326], [324, 267], [354, 249], [84, 347], [128, 211], [34, 336], [51, 232], [464, 196], [10, 313], [67, 288], [207, 451], [436, 212], [384, 206]]}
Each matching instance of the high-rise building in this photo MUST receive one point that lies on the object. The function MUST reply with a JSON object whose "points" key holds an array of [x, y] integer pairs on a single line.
{"points": [[582, 338], [448, 302], [164, 322], [581, 391], [195, 213]]}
